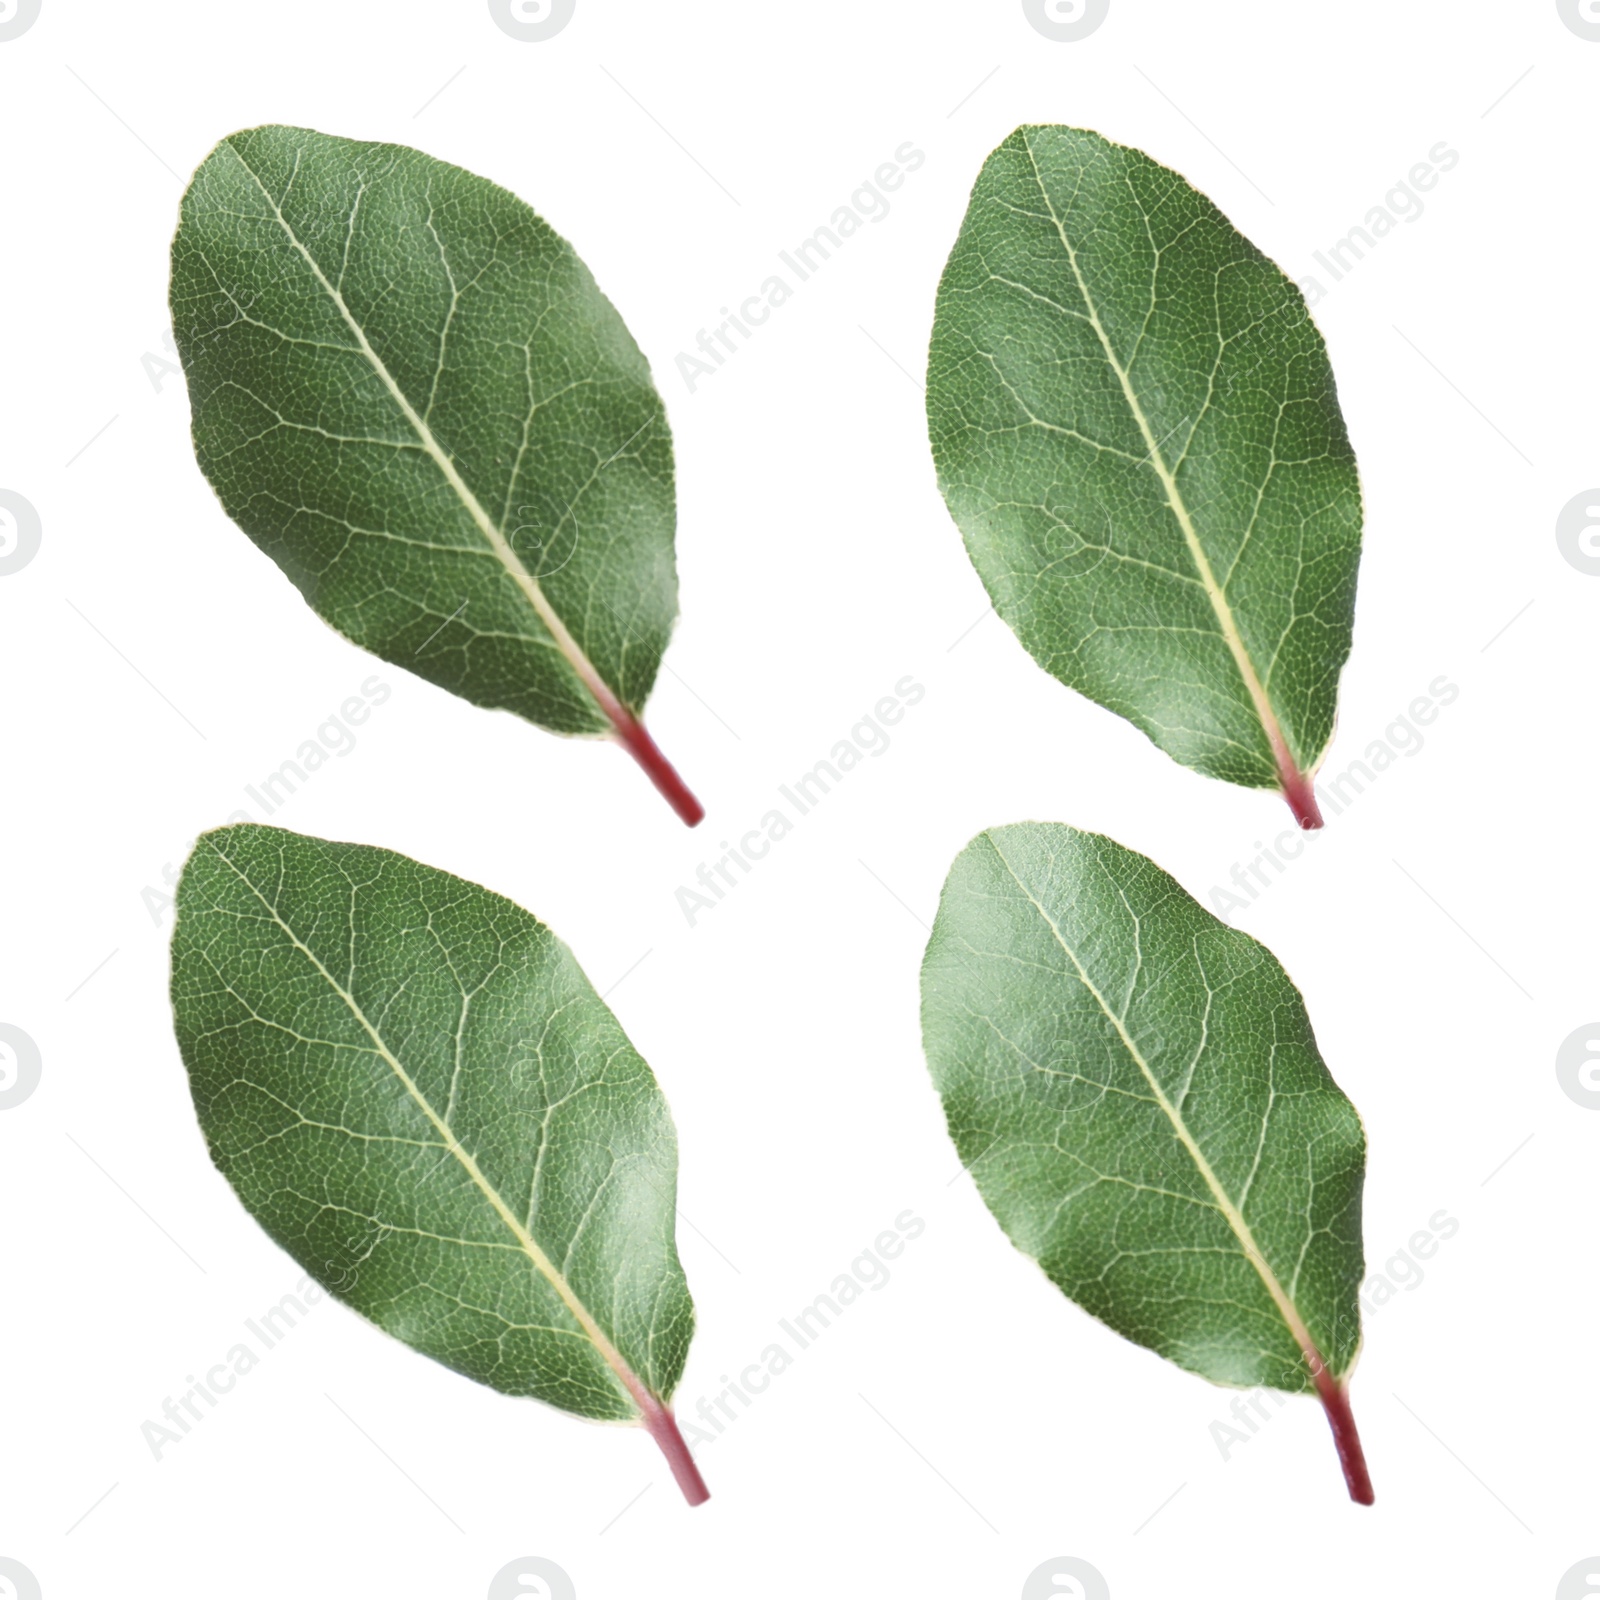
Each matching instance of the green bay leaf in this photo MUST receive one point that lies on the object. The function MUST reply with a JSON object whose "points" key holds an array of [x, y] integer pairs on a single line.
{"points": [[1136, 429], [1137, 1092], [415, 1090], [409, 392]]}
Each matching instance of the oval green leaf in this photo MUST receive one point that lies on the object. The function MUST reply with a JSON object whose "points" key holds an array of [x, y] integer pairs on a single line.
{"points": [[415, 1090], [1136, 429], [409, 392], [1136, 1090]]}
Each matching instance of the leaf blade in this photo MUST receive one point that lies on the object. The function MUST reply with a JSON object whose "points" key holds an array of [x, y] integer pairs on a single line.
{"points": [[436, 425], [1137, 1092], [498, 1190], [1104, 430]]}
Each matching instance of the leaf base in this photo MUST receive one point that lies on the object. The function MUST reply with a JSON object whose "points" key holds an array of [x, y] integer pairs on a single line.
{"points": [[1299, 791], [663, 1428], [1335, 1400], [635, 738]]}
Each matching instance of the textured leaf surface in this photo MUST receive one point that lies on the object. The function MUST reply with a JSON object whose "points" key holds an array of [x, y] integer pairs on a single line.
{"points": [[418, 1094], [1136, 429], [408, 391], [1137, 1092]]}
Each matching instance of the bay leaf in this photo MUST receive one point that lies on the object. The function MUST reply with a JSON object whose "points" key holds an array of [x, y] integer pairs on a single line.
{"points": [[1136, 429], [417, 1093], [1137, 1092], [409, 392]]}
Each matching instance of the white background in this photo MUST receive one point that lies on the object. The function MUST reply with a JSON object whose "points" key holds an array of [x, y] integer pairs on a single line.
{"points": [[964, 1424]]}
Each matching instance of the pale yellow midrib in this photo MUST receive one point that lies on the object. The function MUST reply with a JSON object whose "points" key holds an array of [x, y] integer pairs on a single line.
{"points": [[1230, 1212], [626, 1376], [1175, 501], [609, 704]]}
